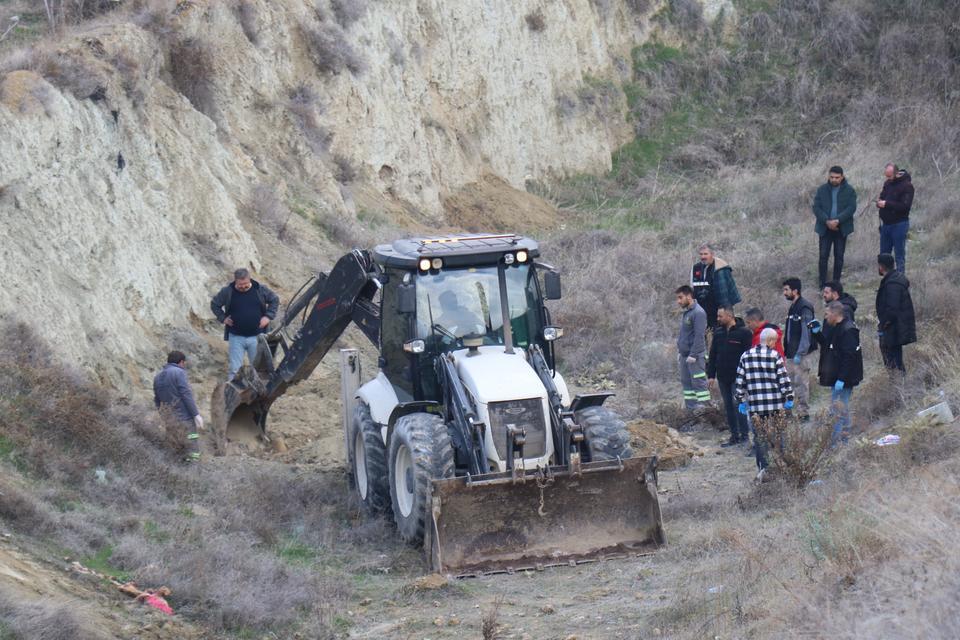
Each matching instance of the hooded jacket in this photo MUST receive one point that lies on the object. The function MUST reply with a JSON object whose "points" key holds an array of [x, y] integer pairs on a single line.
{"points": [[895, 316], [840, 357], [846, 207], [714, 287], [725, 351], [796, 335], [171, 388], [898, 194], [220, 304]]}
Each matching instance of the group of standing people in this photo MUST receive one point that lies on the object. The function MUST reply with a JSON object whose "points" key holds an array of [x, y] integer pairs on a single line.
{"points": [[761, 370]]}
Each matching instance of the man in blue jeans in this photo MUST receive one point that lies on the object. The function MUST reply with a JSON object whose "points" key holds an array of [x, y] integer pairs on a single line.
{"points": [[841, 365], [894, 203], [245, 308]]}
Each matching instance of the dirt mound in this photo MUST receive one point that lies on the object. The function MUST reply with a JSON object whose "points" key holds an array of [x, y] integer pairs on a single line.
{"points": [[673, 448], [491, 204]]}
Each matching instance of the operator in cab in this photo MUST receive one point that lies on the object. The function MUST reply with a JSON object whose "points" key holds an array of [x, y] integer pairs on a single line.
{"points": [[456, 318]]}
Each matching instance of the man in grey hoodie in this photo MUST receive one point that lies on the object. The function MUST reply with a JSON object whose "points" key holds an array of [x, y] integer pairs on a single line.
{"points": [[173, 397], [692, 349]]}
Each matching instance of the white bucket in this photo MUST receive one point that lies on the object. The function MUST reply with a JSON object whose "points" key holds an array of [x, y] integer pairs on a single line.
{"points": [[939, 412]]}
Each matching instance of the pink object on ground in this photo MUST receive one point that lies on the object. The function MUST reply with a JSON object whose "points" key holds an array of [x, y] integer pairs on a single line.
{"points": [[157, 602]]}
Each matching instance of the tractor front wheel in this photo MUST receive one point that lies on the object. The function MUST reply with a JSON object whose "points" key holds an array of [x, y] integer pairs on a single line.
{"points": [[604, 433]]}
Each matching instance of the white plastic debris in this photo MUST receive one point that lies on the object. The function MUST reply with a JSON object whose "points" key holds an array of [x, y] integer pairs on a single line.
{"points": [[887, 440], [939, 412]]}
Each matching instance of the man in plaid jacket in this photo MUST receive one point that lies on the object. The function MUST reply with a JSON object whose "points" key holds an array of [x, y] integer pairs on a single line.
{"points": [[763, 387]]}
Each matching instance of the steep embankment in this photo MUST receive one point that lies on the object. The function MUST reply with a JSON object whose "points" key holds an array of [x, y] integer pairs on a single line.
{"points": [[131, 144]]}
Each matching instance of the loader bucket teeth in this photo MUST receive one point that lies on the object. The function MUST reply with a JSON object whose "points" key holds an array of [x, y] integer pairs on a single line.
{"points": [[493, 523]]}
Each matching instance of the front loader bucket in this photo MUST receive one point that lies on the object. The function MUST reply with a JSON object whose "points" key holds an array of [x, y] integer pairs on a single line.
{"points": [[497, 523]]}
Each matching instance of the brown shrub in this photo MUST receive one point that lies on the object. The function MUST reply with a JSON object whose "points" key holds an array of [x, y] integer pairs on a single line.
{"points": [[330, 51], [306, 108], [191, 66], [536, 21], [265, 204], [797, 451], [346, 12]]}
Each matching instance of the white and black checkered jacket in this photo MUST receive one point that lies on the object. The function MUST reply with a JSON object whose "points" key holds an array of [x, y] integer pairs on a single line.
{"points": [[762, 380]]}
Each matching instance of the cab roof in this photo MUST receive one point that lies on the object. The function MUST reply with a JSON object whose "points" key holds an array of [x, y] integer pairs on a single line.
{"points": [[457, 250]]}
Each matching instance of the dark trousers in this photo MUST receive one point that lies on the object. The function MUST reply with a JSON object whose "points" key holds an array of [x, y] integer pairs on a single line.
{"points": [[893, 357], [838, 242], [739, 429]]}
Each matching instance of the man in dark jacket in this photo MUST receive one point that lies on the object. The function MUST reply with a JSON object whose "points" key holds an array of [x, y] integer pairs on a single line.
{"points": [[841, 364], [896, 323], [798, 345], [894, 203], [834, 206], [173, 397], [245, 307], [730, 339], [833, 292], [713, 284]]}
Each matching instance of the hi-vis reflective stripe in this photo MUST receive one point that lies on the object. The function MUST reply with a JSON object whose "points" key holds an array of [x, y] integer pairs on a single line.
{"points": [[689, 394], [703, 395], [193, 436], [700, 284], [700, 375]]}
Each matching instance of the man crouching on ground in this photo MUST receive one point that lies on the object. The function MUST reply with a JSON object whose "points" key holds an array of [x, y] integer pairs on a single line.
{"points": [[245, 308]]}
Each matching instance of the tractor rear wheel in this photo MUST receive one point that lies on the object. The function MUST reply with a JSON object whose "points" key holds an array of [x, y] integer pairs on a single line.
{"points": [[604, 433], [420, 451], [368, 459]]}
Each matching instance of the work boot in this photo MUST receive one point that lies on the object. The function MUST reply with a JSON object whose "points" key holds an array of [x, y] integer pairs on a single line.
{"points": [[191, 458], [732, 442]]}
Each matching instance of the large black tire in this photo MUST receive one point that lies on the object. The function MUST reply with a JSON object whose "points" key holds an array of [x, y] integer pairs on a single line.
{"points": [[368, 462], [420, 451], [605, 434]]}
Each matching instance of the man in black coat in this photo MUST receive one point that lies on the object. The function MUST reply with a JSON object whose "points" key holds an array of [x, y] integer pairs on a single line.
{"points": [[896, 322], [730, 339], [893, 205], [841, 364]]}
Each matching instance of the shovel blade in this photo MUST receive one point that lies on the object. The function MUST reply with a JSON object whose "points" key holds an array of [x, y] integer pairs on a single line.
{"points": [[495, 523]]}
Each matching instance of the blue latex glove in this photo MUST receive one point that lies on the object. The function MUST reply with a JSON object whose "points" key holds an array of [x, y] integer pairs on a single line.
{"points": [[838, 386], [879, 334], [815, 326], [788, 404], [796, 359], [744, 407]]}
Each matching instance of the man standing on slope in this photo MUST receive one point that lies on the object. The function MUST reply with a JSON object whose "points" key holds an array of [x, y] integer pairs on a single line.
{"points": [[763, 390], [245, 307], [834, 206], [713, 286], [896, 322], [173, 396], [798, 345], [841, 364], [757, 324], [730, 339], [894, 203], [691, 350]]}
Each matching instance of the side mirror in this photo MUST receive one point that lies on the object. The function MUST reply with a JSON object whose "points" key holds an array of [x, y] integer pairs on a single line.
{"points": [[406, 298], [551, 285]]}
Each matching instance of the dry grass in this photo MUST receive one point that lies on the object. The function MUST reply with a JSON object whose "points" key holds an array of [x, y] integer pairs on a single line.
{"points": [[265, 204], [305, 106], [23, 619], [249, 20], [347, 12], [192, 69], [330, 50]]}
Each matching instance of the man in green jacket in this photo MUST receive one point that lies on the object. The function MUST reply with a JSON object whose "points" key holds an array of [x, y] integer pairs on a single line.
{"points": [[834, 207]]}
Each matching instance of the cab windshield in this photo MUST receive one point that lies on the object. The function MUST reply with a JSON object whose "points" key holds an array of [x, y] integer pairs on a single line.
{"points": [[459, 302]]}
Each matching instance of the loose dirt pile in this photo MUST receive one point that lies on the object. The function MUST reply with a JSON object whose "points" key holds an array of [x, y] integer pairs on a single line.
{"points": [[673, 448]]}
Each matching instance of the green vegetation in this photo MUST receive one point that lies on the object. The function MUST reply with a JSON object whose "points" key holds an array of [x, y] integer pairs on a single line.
{"points": [[100, 562]]}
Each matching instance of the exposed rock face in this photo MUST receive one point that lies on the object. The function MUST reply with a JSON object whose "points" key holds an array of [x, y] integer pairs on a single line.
{"points": [[119, 191]]}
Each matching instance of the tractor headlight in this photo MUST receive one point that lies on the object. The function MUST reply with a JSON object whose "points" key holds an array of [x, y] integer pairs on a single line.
{"points": [[415, 346], [436, 263], [521, 256], [552, 333], [508, 258], [424, 264]]}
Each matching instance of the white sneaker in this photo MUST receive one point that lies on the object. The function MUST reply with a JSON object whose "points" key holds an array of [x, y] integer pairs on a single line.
{"points": [[760, 475]]}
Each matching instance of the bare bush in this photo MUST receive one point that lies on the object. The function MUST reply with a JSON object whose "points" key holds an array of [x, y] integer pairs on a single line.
{"points": [[798, 452], [249, 20], [687, 14], [269, 209], [330, 51], [536, 21], [344, 172], [61, 13], [191, 66], [346, 12], [22, 619], [306, 108], [490, 621]]}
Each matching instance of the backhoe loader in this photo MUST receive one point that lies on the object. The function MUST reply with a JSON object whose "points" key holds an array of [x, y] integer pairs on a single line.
{"points": [[467, 436]]}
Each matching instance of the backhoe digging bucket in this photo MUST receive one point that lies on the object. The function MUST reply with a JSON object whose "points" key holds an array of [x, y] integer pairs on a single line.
{"points": [[495, 523]]}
